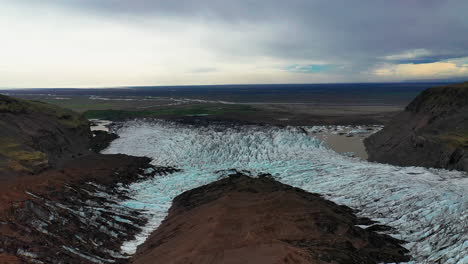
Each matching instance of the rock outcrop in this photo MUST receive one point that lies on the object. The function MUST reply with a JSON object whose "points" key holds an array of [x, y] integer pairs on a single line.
{"points": [[35, 136], [432, 131], [72, 215], [259, 220], [101, 140]]}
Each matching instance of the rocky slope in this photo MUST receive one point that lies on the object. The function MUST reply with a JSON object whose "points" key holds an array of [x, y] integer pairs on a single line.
{"points": [[72, 215], [432, 131], [59, 202], [35, 136], [259, 220]]}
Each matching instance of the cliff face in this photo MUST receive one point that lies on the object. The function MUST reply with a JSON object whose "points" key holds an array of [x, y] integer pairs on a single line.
{"points": [[36, 135], [259, 220], [432, 131]]}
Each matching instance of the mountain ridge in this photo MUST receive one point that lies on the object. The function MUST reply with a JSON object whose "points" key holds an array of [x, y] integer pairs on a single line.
{"points": [[432, 131]]}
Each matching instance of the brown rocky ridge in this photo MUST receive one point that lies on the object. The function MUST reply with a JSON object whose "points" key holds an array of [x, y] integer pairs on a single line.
{"points": [[59, 200], [431, 132], [259, 220], [72, 215]]}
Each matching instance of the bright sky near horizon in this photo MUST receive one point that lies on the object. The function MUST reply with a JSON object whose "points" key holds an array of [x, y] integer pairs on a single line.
{"points": [[103, 43]]}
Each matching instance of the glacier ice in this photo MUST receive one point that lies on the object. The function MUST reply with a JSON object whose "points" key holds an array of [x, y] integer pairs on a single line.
{"points": [[427, 207]]}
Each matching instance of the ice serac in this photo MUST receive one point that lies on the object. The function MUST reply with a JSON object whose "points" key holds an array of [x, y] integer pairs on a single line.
{"points": [[427, 208], [240, 219], [431, 132]]}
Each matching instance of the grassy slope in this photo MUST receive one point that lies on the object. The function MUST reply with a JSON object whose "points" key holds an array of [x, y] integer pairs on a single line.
{"points": [[432, 132], [447, 102], [15, 106], [180, 111], [16, 153]]}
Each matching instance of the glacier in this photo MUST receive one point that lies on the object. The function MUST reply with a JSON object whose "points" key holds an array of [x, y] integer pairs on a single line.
{"points": [[426, 207]]}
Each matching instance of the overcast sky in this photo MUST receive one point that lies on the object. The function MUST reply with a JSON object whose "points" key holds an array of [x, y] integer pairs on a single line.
{"points": [[104, 43]]}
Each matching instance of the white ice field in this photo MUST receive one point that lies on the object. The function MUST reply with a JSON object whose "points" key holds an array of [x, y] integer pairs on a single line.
{"points": [[427, 207]]}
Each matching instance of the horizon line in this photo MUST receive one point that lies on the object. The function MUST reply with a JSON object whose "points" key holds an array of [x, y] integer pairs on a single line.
{"points": [[204, 85]]}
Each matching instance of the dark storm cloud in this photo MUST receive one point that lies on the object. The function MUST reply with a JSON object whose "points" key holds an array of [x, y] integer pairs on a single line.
{"points": [[359, 32], [430, 59]]}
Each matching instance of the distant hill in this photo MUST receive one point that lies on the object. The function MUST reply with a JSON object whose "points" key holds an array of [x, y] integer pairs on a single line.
{"points": [[35, 136], [431, 132]]}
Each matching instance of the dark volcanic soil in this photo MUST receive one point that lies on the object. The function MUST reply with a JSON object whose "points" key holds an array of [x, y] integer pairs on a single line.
{"points": [[35, 136], [431, 132], [70, 215], [245, 220], [101, 140]]}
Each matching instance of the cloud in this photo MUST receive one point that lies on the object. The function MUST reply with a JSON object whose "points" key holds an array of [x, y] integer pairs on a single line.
{"points": [[418, 56], [310, 68], [410, 54], [433, 70], [204, 70], [150, 42]]}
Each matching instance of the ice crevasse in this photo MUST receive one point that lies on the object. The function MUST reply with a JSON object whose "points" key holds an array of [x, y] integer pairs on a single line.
{"points": [[428, 208]]}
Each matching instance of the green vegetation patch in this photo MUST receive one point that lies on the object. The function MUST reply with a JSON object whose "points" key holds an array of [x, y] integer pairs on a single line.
{"points": [[11, 105], [449, 95], [455, 139], [64, 116], [80, 104], [18, 157], [187, 111]]}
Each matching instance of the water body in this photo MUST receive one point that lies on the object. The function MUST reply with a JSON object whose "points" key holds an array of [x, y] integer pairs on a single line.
{"points": [[427, 207]]}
